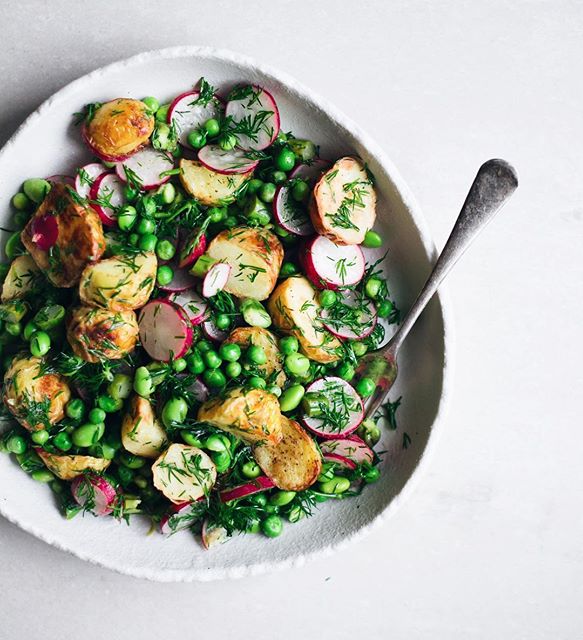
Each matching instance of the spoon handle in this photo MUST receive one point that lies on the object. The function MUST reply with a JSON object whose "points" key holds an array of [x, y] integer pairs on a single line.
{"points": [[495, 182]]}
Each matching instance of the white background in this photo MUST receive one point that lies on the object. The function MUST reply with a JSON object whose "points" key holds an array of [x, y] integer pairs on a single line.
{"points": [[490, 544]]}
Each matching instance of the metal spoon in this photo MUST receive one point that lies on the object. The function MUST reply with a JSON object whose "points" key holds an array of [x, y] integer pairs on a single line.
{"points": [[495, 182]]}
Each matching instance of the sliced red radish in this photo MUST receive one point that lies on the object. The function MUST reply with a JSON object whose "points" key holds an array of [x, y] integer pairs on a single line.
{"points": [[107, 194], [193, 246], [254, 110], [94, 492], [146, 167], [290, 214], [212, 536], [352, 448], [344, 403], [330, 266], [353, 318], [180, 516], [233, 161], [165, 330], [45, 231], [59, 177], [262, 483], [212, 332], [215, 279], [193, 305], [346, 463], [310, 172], [187, 114], [86, 177], [181, 280]]}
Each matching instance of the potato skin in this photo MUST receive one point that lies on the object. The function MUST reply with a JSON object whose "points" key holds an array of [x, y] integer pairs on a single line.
{"points": [[141, 432], [119, 283], [209, 187], [253, 415], [294, 463], [96, 334], [79, 242], [255, 257], [246, 336], [348, 185], [293, 307], [24, 278], [69, 467], [118, 129], [26, 390]]}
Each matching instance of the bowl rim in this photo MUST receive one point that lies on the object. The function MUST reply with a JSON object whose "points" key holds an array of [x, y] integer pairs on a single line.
{"points": [[409, 201]]}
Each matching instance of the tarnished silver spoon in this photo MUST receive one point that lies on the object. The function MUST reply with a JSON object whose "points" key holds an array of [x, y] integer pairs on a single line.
{"points": [[495, 182]]}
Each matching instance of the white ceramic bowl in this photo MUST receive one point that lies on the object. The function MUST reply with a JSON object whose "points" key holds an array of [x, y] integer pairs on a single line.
{"points": [[47, 143]]}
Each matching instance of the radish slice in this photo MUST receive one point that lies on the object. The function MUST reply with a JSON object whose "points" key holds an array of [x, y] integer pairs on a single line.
{"points": [[192, 304], [185, 114], [212, 536], [255, 108], [344, 403], [226, 162], [108, 192], [339, 460], [330, 266], [86, 177], [165, 330], [212, 332], [354, 318], [181, 280], [181, 516], [215, 279], [95, 492], [193, 246], [59, 177], [290, 214], [45, 231], [262, 483], [310, 172], [146, 167], [352, 448]]}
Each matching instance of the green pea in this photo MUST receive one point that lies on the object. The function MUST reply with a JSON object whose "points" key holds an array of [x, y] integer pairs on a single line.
{"points": [[126, 217], [372, 240], [256, 354], [16, 444], [190, 439], [179, 365], [337, 485], [131, 461], [196, 138], [148, 242], [372, 287], [369, 432], [195, 363], [327, 298], [134, 239], [42, 475], [97, 415], [228, 141], [85, 435], [130, 192], [165, 250], [20, 218], [212, 359], [291, 397], [259, 499], [212, 127], [13, 329], [281, 498], [272, 526], [204, 345], [62, 441], [217, 443], [345, 371], [164, 275], [285, 160], [233, 369], [75, 409], [230, 352], [288, 269], [152, 104], [255, 382], [300, 191], [174, 412], [217, 214], [102, 450], [222, 321], [384, 309], [365, 387], [254, 526], [274, 390], [49, 317], [40, 437], [145, 225], [40, 343], [109, 404], [254, 185], [125, 475], [20, 202], [305, 150], [120, 387], [162, 113], [297, 364], [267, 192], [36, 189], [214, 378], [167, 193], [251, 470], [359, 349], [13, 246], [278, 177], [230, 221], [372, 475], [222, 460]]}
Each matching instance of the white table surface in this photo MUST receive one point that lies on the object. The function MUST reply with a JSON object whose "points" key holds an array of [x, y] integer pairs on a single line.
{"points": [[490, 544]]}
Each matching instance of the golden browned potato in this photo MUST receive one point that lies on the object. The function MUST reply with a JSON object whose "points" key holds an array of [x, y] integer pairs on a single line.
{"points": [[255, 257], [119, 283], [141, 432], [119, 128], [96, 334], [246, 336], [70, 467], [294, 463], [343, 203], [252, 415], [36, 399], [209, 187], [78, 237], [184, 473], [23, 278], [294, 308]]}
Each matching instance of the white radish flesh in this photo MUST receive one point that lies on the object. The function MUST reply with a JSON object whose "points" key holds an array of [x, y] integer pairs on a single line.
{"points": [[356, 322], [254, 110], [146, 167], [192, 304], [95, 493], [215, 279], [108, 191], [343, 402], [181, 280], [186, 113], [165, 330], [226, 162], [212, 332], [86, 177], [262, 483], [330, 266], [352, 448], [181, 516]]}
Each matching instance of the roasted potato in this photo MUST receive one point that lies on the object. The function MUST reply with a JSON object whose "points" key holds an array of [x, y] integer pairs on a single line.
{"points": [[119, 283], [253, 415], [294, 308], [69, 467], [78, 232], [96, 334], [294, 463], [141, 432], [255, 257], [343, 203], [184, 473], [246, 336], [24, 278], [36, 399], [118, 128], [209, 187]]}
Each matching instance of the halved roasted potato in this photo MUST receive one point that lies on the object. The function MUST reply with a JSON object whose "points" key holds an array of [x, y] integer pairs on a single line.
{"points": [[96, 334], [118, 128], [119, 283], [246, 336], [184, 473], [70, 467], [255, 257], [141, 432], [294, 463], [343, 203], [24, 278], [253, 414], [63, 237], [36, 399], [209, 187], [294, 308]]}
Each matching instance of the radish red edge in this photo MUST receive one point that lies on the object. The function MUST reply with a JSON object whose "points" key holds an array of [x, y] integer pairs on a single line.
{"points": [[352, 447], [95, 489], [147, 165], [340, 460], [331, 266], [262, 141], [180, 516], [103, 156], [182, 280], [182, 135], [106, 218], [262, 483], [170, 339], [193, 246], [192, 304], [215, 279], [226, 162]]}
